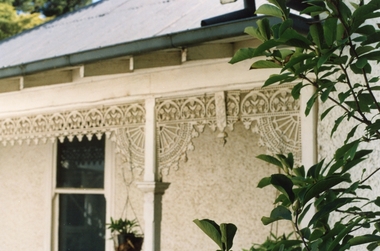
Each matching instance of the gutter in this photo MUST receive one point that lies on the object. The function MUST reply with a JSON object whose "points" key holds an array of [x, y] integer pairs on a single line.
{"points": [[169, 41]]}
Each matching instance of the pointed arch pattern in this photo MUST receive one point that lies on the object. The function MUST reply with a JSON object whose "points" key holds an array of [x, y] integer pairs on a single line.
{"points": [[270, 112]]}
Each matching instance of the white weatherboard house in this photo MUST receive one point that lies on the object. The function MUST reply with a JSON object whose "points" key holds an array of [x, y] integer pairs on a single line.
{"points": [[129, 108]]}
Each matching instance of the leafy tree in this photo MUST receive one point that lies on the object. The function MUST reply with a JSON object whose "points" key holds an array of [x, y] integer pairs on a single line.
{"points": [[336, 57], [19, 15], [49, 8], [12, 23]]}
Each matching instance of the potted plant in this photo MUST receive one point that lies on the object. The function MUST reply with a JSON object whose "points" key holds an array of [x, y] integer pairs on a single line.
{"points": [[125, 234]]}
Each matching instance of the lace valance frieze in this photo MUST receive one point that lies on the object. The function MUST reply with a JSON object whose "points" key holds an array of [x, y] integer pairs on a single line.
{"points": [[70, 124], [270, 112]]}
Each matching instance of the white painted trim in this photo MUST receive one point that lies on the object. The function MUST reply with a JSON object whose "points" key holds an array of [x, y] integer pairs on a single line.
{"points": [[130, 99], [150, 172], [192, 78], [79, 190], [49, 177], [55, 220], [109, 186], [108, 192], [308, 129], [309, 124], [55, 203]]}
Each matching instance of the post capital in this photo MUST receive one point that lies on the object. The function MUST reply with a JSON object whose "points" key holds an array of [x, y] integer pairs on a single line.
{"points": [[153, 187]]}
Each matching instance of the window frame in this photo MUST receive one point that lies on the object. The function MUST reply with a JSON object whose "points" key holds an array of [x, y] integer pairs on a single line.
{"points": [[107, 191]]}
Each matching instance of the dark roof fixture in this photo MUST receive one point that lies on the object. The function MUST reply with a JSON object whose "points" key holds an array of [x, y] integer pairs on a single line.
{"points": [[248, 11]]}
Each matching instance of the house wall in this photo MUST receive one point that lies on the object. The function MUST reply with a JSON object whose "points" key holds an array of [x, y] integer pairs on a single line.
{"points": [[217, 182], [24, 210]]}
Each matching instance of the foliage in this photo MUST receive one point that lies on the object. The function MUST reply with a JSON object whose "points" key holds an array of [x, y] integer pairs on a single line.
{"points": [[123, 226], [60, 7], [336, 57], [222, 235], [48, 8], [277, 243], [11, 23], [20, 15]]}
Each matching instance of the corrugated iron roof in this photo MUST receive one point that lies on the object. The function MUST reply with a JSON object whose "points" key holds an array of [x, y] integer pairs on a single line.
{"points": [[107, 23]]}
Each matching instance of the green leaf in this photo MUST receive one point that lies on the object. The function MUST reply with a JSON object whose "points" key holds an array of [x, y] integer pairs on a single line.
{"points": [[340, 60], [355, 69], [364, 49], [284, 185], [313, 10], [330, 30], [344, 11], [363, 13], [347, 151], [366, 30], [344, 95], [328, 208], [365, 102], [310, 103], [316, 33], [211, 229], [254, 32], [228, 231], [242, 54], [296, 59], [314, 171], [299, 171], [264, 64], [278, 213], [296, 90], [287, 24], [374, 80], [270, 159], [281, 4], [323, 115], [372, 246], [361, 62], [282, 78], [293, 38], [326, 93], [270, 10], [304, 212], [265, 46], [264, 28], [324, 185], [351, 133], [282, 53], [264, 182], [377, 201], [336, 124], [341, 234], [374, 38], [359, 240]]}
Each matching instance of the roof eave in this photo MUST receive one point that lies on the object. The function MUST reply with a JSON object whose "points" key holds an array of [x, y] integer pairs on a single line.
{"points": [[169, 41]]}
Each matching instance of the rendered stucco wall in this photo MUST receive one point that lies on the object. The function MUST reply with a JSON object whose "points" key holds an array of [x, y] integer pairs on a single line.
{"points": [[328, 145], [23, 201], [128, 198], [220, 183]]}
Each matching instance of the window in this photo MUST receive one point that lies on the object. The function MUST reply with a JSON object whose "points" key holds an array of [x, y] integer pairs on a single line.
{"points": [[80, 203]]}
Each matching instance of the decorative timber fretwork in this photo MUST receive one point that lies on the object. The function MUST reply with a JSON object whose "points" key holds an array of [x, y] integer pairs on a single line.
{"points": [[70, 124], [272, 113]]}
